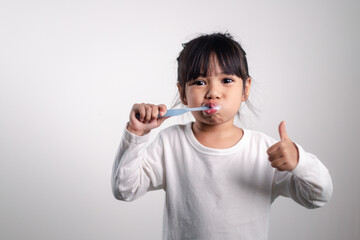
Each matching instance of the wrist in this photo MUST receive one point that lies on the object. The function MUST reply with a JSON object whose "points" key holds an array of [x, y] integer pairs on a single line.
{"points": [[296, 157], [137, 132]]}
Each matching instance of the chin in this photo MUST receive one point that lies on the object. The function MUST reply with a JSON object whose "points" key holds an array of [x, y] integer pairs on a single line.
{"points": [[213, 120]]}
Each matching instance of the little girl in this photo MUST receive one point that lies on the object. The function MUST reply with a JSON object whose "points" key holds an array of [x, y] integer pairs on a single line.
{"points": [[220, 180]]}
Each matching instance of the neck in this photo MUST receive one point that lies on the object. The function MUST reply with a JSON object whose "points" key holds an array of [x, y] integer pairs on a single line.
{"points": [[210, 129], [217, 136]]}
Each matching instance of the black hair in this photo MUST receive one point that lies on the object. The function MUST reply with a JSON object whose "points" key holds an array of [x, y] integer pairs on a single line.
{"points": [[195, 58]]}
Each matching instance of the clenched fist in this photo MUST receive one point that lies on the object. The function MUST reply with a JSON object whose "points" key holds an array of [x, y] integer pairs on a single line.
{"points": [[144, 118]]}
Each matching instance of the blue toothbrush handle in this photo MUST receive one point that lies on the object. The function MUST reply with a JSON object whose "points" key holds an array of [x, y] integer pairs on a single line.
{"points": [[169, 113], [177, 112], [174, 112]]}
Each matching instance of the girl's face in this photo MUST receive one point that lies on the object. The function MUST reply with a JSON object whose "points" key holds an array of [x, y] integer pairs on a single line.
{"points": [[216, 89]]}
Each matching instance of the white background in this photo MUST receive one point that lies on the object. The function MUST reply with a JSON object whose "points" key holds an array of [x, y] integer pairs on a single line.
{"points": [[71, 70]]}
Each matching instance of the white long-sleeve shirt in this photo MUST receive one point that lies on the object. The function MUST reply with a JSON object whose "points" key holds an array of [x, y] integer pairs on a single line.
{"points": [[214, 193]]}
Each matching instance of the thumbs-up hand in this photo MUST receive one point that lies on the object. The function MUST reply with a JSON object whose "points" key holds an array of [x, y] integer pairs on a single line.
{"points": [[283, 155]]}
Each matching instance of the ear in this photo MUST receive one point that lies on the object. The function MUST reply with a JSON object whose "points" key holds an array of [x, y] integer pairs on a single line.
{"points": [[246, 90], [182, 98]]}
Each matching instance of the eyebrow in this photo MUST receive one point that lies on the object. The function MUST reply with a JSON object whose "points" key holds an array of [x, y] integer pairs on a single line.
{"points": [[221, 73]]}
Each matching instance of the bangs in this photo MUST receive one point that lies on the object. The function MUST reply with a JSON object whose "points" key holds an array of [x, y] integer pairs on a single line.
{"points": [[201, 54]]}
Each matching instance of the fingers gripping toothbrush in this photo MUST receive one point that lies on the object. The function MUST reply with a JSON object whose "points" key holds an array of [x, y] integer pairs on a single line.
{"points": [[180, 111]]}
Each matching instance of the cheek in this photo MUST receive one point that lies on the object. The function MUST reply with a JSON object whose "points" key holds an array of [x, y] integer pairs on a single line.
{"points": [[234, 102], [234, 107], [193, 97], [186, 96], [236, 95]]}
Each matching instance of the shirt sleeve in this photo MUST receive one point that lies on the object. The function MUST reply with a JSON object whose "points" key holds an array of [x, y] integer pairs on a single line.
{"points": [[309, 184], [138, 167]]}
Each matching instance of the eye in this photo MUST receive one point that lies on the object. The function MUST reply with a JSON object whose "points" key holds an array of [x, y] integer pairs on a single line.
{"points": [[198, 82], [227, 80]]}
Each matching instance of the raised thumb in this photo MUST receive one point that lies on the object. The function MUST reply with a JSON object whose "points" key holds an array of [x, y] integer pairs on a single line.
{"points": [[282, 131]]}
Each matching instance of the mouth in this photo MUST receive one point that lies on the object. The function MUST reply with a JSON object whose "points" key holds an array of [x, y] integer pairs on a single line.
{"points": [[214, 108]]}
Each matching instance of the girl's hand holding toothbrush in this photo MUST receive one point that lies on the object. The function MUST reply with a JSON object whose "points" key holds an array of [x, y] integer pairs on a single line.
{"points": [[145, 117]]}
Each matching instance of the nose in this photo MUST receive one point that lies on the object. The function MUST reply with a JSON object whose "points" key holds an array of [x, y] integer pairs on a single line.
{"points": [[213, 92]]}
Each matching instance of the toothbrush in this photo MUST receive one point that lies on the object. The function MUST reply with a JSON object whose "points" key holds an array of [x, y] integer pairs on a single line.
{"points": [[179, 111]]}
